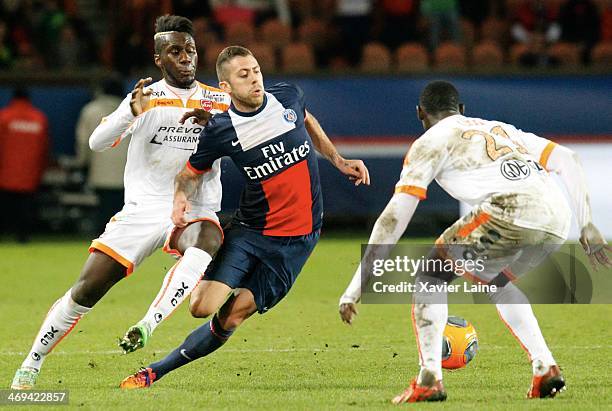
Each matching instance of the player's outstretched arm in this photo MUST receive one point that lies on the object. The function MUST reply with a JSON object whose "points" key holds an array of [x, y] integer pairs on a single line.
{"points": [[566, 164], [354, 169], [388, 229], [185, 184]]}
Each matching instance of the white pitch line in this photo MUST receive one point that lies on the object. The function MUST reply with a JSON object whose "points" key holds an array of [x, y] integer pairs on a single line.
{"points": [[285, 350]]}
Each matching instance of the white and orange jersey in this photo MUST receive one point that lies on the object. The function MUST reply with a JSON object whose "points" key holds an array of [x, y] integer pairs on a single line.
{"points": [[490, 163], [160, 146]]}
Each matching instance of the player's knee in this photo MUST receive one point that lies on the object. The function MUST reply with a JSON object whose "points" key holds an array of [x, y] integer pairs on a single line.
{"points": [[209, 240], [81, 296], [210, 245], [84, 294], [199, 309], [99, 274]]}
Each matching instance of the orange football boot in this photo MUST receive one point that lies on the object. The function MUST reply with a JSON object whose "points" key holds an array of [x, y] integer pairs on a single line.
{"points": [[547, 385], [418, 393], [142, 379]]}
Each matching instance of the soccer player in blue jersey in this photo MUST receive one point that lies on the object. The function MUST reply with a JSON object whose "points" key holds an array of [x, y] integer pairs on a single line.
{"points": [[272, 138]]}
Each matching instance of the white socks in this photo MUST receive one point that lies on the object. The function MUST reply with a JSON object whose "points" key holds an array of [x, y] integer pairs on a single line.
{"points": [[60, 320], [429, 321], [430, 312], [429, 315], [177, 286], [518, 316], [65, 313]]}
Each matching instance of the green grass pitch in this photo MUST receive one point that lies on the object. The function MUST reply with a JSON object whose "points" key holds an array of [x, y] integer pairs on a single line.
{"points": [[298, 356]]}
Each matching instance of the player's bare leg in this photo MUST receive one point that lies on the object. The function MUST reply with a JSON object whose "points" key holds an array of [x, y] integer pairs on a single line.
{"points": [[200, 342], [207, 297], [99, 274], [198, 243]]}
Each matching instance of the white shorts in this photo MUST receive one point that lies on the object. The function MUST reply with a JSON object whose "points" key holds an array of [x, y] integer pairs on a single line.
{"points": [[136, 231], [500, 246]]}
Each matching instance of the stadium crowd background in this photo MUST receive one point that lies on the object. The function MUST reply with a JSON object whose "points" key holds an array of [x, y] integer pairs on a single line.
{"points": [[360, 62], [302, 36]]}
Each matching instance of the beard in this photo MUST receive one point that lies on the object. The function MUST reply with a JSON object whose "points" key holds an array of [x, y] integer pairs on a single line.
{"points": [[250, 101]]}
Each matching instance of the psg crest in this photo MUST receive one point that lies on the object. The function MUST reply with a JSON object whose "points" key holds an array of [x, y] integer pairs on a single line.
{"points": [[289, 116]]}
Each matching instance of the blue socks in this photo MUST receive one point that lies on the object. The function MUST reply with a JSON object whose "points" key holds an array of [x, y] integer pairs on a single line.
{"points": [[201, 342]]}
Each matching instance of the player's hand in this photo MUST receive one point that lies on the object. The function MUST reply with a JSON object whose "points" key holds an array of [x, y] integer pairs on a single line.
{"points": [[180, 207], [348, 312], [595, 246], [140, 96], [200, 116], [356, 170]]}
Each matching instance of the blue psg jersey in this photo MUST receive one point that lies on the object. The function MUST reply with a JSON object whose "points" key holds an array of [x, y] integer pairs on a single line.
{"points": [[275, 154]]}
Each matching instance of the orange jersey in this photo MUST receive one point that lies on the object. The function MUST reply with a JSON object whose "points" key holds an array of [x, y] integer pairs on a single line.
{"points": [[24, 145]]}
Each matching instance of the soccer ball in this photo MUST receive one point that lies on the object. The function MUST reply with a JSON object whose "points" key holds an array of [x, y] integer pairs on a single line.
{"points": [[459, 343]]}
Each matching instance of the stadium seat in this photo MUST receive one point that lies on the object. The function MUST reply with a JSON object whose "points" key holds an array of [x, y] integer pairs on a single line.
{"points": [[297, 58], [487, 55], [375, 58], [275, 33], [450, 56], [265, 56], [568, 54], [516, 51], [240, 34], [601, 55], [494, 30], [411, 57], [313, 32]]}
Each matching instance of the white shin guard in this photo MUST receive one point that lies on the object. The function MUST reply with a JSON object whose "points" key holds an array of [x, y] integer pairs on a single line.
{"points": [[60, 320], [178, 284]]}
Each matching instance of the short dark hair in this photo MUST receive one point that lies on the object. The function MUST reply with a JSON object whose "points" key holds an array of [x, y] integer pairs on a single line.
{"points": [[226, 55], [171, 23], [439, 96]]}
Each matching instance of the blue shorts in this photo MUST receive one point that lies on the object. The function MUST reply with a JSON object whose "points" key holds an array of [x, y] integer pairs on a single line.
{"points": [[266, 265]]}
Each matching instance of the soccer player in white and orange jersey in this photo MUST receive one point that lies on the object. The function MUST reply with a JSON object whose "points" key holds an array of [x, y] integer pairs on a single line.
{"points": [[519, 216], [159, 148]]}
